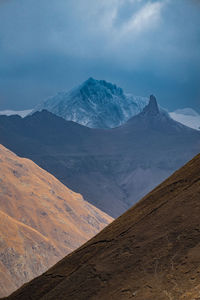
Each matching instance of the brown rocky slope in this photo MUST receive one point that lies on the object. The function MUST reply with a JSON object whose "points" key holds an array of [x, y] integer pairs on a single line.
{"points": [[152, 252], [41, 220]]}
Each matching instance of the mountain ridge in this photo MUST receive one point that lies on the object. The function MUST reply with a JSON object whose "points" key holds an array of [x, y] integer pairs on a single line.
{"points": [[41, 220], [150, 252], [112, 168], [101, 104]]}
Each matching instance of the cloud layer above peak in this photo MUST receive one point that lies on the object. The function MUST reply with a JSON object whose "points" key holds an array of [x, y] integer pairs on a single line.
{"points": [[145, 46]]}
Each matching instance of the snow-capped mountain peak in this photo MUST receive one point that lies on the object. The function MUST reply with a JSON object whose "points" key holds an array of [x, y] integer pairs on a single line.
{"points": [[92, 84], [101, 104], [96, 104]]}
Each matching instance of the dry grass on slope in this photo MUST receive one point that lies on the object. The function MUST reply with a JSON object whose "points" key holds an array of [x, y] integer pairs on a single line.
{"points": [[44, 220], [151, 252]]}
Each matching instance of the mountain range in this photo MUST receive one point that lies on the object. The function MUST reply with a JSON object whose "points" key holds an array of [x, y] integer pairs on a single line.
{"points": [[112, 148], [111, 168], [95, 104], [41, 221], [100, 104], [151, 252]]}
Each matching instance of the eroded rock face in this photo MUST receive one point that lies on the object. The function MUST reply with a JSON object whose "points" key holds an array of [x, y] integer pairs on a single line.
{"points": [[41, 220], [151, 252]]}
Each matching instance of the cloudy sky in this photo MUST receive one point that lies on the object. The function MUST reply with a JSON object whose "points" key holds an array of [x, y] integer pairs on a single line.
{"points": [[145, 47]]}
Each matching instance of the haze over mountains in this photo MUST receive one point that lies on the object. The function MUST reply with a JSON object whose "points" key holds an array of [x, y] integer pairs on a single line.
{"points": [[127, 146], [41, 220], [151, 252], [111, 168]]}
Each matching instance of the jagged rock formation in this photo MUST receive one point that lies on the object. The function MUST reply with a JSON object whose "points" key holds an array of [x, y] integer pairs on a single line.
{"points": [[151, 252], [96, 104], [152, 108], [41, 220], [111, 168]]}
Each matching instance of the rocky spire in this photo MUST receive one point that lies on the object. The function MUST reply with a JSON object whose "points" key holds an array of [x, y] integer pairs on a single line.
{"points": [[152, 108]]}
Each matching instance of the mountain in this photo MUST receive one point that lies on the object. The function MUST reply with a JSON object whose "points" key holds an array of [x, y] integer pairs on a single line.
{"points": [[187, 116], [96, 104], [151, 252], [111, 168], [41, 220], [21, 113], [100, 104]]}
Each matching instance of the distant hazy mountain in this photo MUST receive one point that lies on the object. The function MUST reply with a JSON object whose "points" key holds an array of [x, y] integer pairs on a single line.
{"points": [[111, 168], [187, 116], [151, 252], [95, 104], [41, 220], [22, 113]]}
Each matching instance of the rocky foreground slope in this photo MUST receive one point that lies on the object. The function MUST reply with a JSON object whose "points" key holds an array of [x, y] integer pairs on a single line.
{"points": [[41, 220], [151, 252]]}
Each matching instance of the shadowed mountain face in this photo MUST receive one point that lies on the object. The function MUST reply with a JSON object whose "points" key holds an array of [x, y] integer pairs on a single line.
{"points": [[151, 252], [41, 221], [111, 168]]}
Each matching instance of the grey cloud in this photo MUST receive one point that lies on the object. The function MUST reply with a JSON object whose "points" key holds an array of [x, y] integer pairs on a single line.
{"points": [[48, 45]]}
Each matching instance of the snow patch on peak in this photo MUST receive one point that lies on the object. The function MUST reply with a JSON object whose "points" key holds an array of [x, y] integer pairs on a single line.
{"points": [[187, 117], [21, 113], [186, 111]]}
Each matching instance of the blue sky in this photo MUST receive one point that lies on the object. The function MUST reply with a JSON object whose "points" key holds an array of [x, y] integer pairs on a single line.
{"points": [[145, 47]]}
